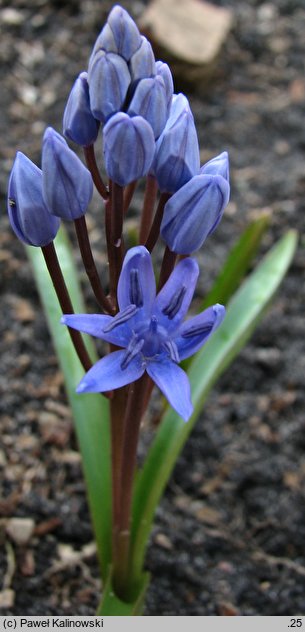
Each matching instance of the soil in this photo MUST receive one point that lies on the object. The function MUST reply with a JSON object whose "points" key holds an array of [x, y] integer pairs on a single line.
{"points": [[229, 535]]}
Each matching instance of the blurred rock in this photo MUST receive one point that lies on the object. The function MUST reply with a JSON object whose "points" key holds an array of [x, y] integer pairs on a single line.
{"points": [[20, 530], [7, 598], [188, 34]]}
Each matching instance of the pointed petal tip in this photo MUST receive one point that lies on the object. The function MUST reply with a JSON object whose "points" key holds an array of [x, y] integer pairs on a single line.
{"points": [[187, 414], [82, 387], [220, 312]]}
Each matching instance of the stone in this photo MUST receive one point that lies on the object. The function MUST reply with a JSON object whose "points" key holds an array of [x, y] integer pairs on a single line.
{"points": [[187, 34], [7, 598], [20, 530]]}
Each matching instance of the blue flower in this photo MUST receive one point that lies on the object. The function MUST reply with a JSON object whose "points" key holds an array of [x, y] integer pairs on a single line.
{"points": [[150, 101], [142, 63], [218, 166], [150, 329], [79, 123], [177, 157], [195, 210], [163, 70], [129, 145], [29, 217], [67, 183], [125, 32], [108, 80]]}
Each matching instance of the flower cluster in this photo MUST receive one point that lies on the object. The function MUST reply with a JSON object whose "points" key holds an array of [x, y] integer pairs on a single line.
{"points": [[150, 329], [147, 131]]}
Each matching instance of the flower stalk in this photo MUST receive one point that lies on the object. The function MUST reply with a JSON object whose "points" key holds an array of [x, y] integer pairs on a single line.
{"points": [[62, 293], [131, 427], [94, 170], [89, 265], [150, 196], [155, 227]]}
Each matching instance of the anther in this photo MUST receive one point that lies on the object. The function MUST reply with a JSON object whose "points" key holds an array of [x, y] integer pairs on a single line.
{"points": [[175, 303], [172, 349], [197, 330], [132, 350], [121, 317], [135, 292]]}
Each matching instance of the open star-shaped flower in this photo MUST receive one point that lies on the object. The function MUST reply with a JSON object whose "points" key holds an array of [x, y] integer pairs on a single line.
{"points": [[150, 330]]}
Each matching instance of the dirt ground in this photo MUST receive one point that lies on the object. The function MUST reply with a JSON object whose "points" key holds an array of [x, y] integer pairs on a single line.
{"points": [[229, 535]]}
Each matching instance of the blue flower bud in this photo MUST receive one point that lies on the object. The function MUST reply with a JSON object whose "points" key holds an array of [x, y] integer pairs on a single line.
{"points": [[142, 64], [105, 41], [129, 147], [149, 100], [177, 157], [193, 212], [163, 70], [67, 183], [108, 80], [79, 124], [28, 214], [217, 166], [125, 32]]}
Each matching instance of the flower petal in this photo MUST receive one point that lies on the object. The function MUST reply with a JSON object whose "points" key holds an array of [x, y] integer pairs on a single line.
{"points": [[195, 332], [94, 325], [107, 373], [193, 212], [174, 299], [137, 284], [129, 147], [174, 384]]}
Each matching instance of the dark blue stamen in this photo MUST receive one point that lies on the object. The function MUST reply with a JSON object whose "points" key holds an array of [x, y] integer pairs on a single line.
{"points": [[175, 303], [171, 347], [135, 291], [132, 350], [197, 330], [121, 317]]}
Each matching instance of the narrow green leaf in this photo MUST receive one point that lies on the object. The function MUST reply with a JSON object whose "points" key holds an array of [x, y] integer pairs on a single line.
{"points": [[90, 412], [237, 263], [112, 605], [244, 312]]}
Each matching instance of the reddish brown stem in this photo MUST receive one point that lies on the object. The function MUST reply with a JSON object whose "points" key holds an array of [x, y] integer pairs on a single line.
{"points": [[155, 228], [115, 253], [93, 168], [60, 287], [89, 264], [128, 194], [168, 264], [150, 196], [132, 421], [117, 215]]}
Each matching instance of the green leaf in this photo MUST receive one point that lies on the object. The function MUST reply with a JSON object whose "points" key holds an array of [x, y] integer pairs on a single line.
{"points": [[112, 605], [244, 312], [237, 263], [90, 412]]}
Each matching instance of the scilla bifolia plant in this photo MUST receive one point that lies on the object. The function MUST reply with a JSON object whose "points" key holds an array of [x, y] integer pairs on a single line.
{"points": [[147, 132]]}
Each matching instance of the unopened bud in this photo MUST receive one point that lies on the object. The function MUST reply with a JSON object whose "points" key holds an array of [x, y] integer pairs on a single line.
{"points": [[28, 214], [193, 212], [177, 151], [142, 63], [67, 183], [129, 147], [109, 81], [149, 100], [79, 125]]}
